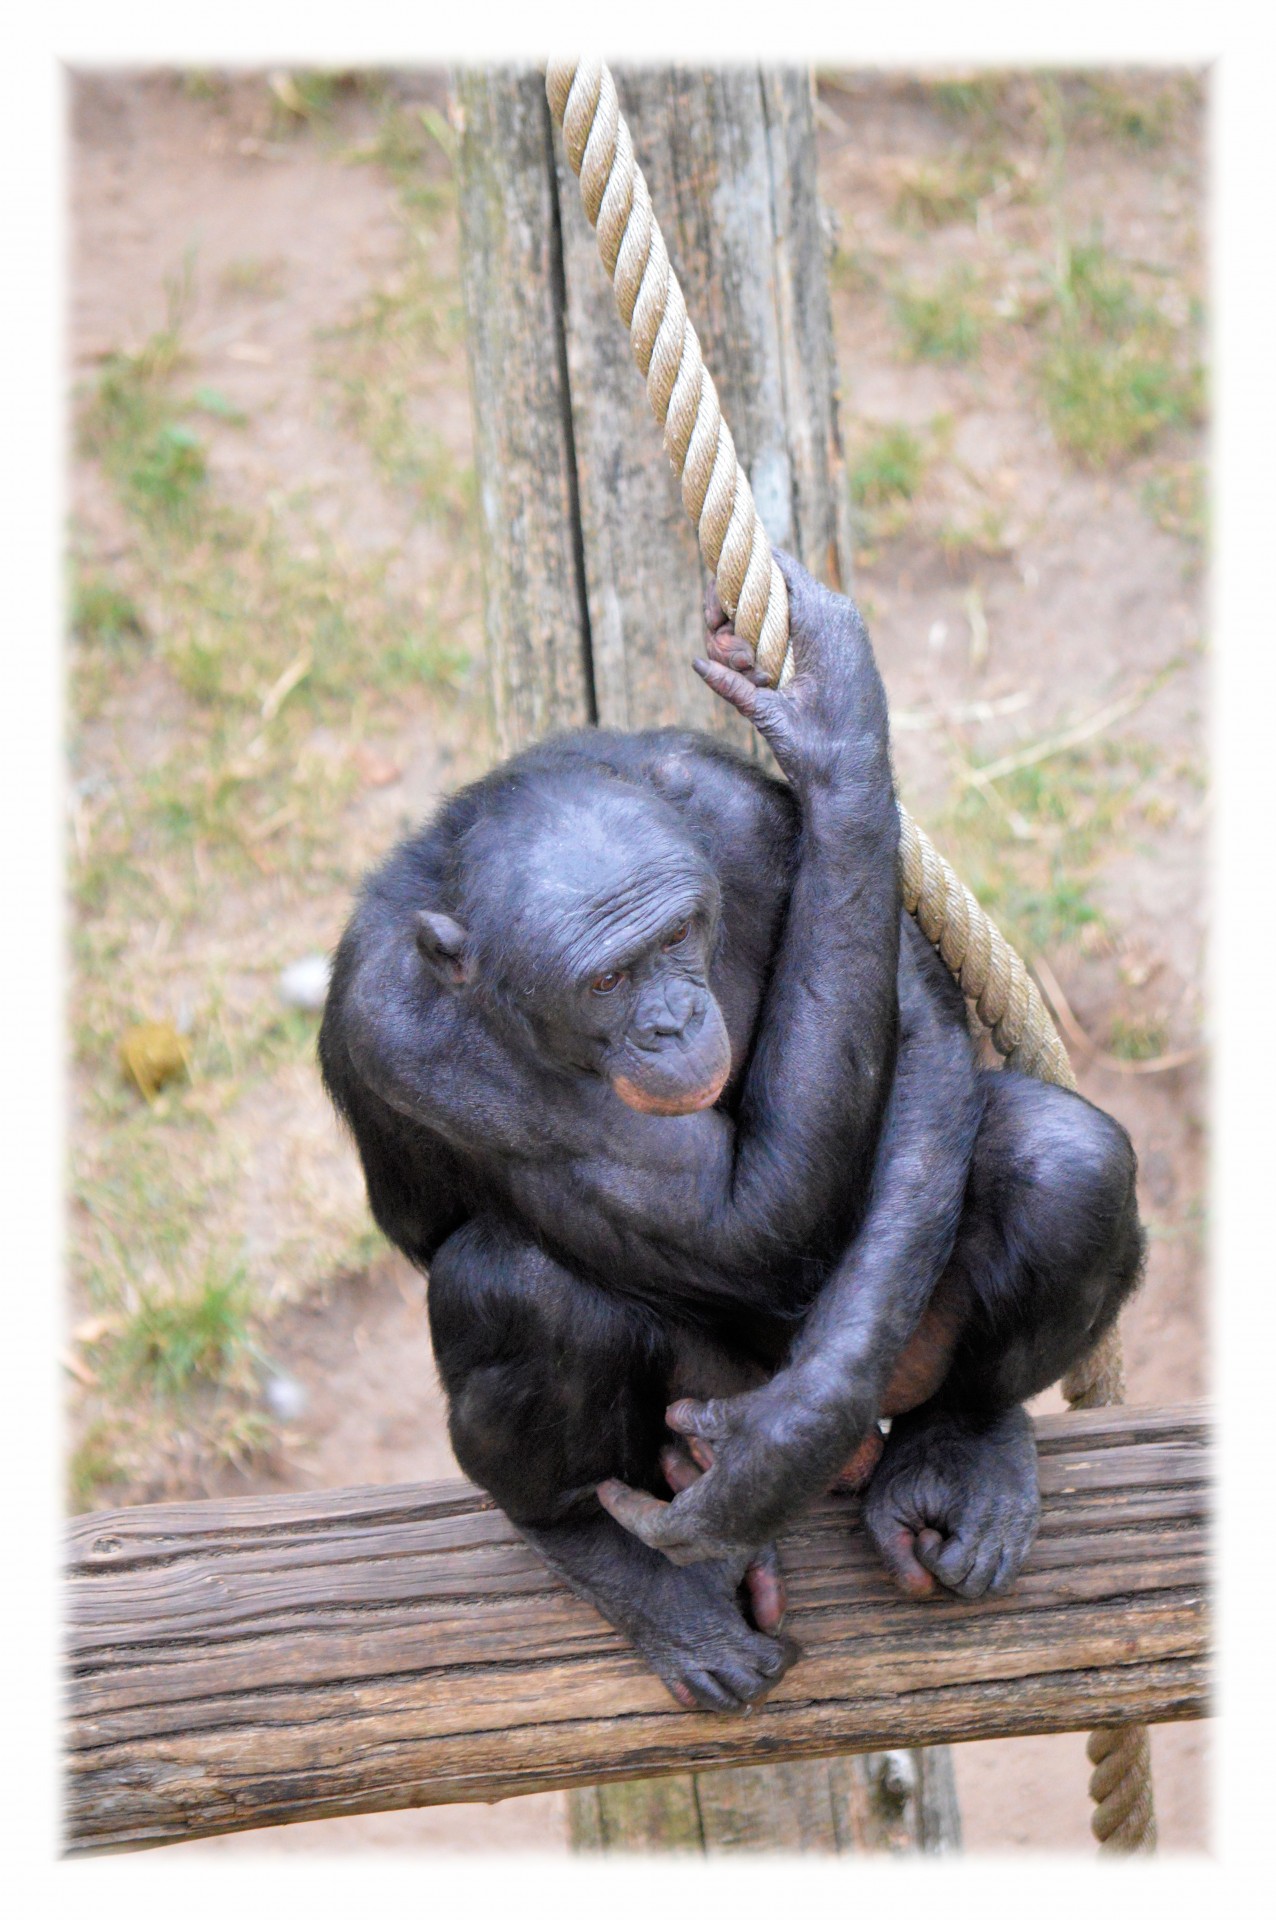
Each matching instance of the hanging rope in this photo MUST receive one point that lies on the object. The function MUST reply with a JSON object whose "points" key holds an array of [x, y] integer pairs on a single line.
{"points": [[733, 544]]}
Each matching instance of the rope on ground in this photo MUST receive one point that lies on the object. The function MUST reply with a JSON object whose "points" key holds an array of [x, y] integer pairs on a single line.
{"points": [[733, 544]]}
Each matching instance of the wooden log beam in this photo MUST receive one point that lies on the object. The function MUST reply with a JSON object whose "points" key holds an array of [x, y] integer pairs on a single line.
{"points": [[245, 1663]]}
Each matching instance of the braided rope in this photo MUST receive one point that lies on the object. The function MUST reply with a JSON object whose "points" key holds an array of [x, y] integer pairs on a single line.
{"points": [[733, 544], [715, 491]]}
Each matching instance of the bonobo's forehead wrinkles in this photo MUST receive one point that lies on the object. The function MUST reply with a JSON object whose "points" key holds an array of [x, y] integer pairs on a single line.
{"points": [[586, 880], [616, 924]]}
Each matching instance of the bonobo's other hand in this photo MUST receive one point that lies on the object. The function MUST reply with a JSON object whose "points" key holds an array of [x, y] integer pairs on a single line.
{"points": [[818, 726], [763, 1457]]}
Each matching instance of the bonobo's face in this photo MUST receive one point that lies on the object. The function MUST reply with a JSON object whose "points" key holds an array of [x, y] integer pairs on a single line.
{"points": [[591, 926], [649, 1020]]}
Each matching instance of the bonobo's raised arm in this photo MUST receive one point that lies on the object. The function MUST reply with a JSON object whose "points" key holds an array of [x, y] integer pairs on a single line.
{"points": [[812, 1100], [774, 1448]]}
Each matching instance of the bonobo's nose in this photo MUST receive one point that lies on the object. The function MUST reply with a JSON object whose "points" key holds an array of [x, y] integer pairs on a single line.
{"points": [[667, 1017]]}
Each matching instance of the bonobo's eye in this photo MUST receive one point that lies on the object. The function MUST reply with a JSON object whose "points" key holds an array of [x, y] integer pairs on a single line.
{"points": [[607, 982], [678, 935]]}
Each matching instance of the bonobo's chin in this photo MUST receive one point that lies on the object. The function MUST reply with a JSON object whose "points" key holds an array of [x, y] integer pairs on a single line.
{"points": [[668, 1100], [657, 1089]]}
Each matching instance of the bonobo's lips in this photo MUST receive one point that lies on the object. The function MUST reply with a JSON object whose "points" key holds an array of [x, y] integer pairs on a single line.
{"points": [[679, 1078], [648, 1100]]}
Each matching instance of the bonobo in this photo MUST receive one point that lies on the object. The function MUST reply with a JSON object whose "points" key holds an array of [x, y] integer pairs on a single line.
{"points": [[680, 1111]]}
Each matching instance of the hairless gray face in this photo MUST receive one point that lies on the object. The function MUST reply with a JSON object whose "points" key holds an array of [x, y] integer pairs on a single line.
{"points": [[596, 928]]}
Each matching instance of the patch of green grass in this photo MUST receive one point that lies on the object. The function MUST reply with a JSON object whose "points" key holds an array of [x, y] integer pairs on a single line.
{"points": [[381, 373], [409, 144], [243, 1437], [102, 613], [1106, 403], [978, 100], [173, 1339], [210, 401], [889, 468], [135, 428], [1029, 849], [305, 95], [855, 271], [944, 322], [942, 193], [389, 353], [1137, 1037], [264, 279], [1115, 375], [983, 538], [167, 472], [1136, 110], [1177, 500], [94, 1465]]}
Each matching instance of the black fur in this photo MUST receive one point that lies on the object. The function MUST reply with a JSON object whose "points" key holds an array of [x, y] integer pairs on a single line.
{"points": [[614, 915]]}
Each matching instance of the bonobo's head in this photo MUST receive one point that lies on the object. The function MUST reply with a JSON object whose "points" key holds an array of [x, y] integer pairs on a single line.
{"points": [[586, 919]]}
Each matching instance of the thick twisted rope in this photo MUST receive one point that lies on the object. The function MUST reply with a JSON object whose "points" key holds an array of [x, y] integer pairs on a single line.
{"points": [[733, 544]]}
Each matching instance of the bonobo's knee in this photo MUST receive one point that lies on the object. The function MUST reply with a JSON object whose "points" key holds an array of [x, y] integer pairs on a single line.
{"points": [[1050, 1246], [1071, 1167]]}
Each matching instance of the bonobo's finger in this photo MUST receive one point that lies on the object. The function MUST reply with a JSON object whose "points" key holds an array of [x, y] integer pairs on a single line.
{"points": [[701, 1453], [637, 1512], [1009, 1562], [804, 596], [707, 1692], [680, 1472], [668, 1525], [951, 1560], [715, 614], [765, 1586], [707, 1419], [768, 711], [731, 687], [897, 1547], [726, 649]]}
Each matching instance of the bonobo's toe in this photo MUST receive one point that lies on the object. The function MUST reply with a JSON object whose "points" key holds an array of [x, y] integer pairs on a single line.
{"points": [[764, 1584], [728, 1679]]}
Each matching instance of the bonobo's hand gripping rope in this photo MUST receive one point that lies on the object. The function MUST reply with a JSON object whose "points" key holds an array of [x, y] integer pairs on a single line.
{"points": [[733, 544]]}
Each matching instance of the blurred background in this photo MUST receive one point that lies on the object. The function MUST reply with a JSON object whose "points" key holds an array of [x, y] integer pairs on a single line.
{"points": [[276, 667]]}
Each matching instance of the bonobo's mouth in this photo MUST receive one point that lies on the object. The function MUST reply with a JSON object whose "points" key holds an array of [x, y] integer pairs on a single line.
{"points": [[680, 1077], [647, 1099]]}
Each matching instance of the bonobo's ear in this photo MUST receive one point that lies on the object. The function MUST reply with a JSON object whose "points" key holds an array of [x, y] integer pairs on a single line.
{"points": [[441, 943]]}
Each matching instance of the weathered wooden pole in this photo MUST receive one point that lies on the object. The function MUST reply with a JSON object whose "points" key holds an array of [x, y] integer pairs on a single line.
{"points": [[594, 590], [246, 1663]]}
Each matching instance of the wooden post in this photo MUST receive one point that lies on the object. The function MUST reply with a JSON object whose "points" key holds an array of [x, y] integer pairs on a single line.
{"points": [[594, 593]]}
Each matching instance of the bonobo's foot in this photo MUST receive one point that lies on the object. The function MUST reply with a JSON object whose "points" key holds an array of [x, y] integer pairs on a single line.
{"points": [[701, 1645], [687, 1622], [953, 1506]]}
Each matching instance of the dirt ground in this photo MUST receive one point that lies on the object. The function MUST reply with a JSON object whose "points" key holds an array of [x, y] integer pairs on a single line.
{"points": [[278, 497]]}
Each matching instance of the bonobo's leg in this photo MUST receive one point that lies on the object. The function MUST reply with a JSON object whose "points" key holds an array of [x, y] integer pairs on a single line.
{"points": [[554, 1386], [1048, 1249]]}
